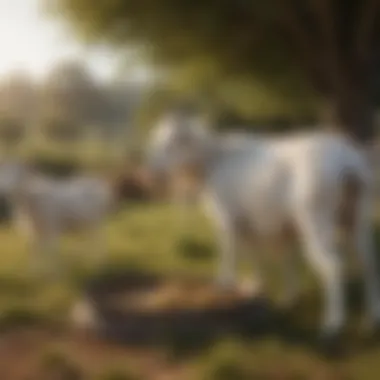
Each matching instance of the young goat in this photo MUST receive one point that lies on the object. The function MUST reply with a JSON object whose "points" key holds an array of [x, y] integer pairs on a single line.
{"points": [[261, 188], [45, 208]]}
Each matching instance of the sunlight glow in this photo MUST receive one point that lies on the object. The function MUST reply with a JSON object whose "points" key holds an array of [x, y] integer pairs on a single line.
{"points": [[31, 42]]}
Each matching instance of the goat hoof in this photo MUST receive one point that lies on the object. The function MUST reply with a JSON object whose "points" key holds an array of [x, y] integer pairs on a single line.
{"points": [[331, 345]]}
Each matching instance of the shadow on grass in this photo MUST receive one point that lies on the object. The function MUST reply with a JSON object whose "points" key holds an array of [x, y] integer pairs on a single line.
{"points": [[18, 286], [191, 249], [58, 365], [189, 331], [15, 317], [81, 276]]}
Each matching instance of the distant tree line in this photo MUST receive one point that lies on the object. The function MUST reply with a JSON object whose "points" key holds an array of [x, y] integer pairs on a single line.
{"points": [[263, 57], [64, 105]]}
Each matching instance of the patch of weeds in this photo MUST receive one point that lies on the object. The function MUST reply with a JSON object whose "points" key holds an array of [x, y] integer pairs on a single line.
{"points": [[18, 285], [17, 317], [186, 344], [118, 374], [57, 365], [233, 360], [79, 275], [192, 249], [225, 363]]}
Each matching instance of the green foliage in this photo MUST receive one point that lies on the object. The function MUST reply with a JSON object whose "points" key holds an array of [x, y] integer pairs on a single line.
{"points": [[225, 362], [231, 52], [66, 105], [118, 374], [194, 249], [70, 95], [263, 57], [144, 236], [155, 103]]}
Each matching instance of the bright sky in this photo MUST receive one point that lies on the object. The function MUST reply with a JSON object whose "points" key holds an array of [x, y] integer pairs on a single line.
{"points": [[31, 41]]}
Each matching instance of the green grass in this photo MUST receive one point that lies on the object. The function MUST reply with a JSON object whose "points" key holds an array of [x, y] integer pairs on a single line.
{"points": [[150, 238]]}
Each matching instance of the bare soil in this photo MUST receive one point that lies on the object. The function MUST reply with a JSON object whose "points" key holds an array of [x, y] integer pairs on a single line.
{"points": [[24, 355], [146, 308]]}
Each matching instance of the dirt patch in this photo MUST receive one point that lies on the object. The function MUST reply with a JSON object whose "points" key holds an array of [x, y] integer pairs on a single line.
{"points": [[25, 355], [170, 296], [144, 308]]}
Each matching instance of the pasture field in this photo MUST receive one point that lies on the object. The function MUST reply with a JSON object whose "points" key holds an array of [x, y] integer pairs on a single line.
{"points": [[36, 343]]}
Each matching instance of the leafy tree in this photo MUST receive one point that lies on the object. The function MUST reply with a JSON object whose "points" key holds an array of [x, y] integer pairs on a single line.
{"points": [[290, 48], [71, 94]]}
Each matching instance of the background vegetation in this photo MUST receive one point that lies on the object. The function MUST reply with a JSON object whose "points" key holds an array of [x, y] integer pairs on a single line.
{"points": [[272, 65]]}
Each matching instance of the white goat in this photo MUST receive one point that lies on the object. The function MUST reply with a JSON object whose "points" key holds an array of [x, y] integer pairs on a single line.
{"points": [[256, 187], [46, 208]]}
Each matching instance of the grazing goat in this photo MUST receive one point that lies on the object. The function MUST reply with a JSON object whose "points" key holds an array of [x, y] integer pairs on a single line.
{"points": [[270, 189], [46, 208]]}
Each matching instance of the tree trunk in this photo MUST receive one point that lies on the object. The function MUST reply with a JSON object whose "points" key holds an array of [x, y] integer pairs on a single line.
{"points": [[356, 117], [352, 110]]}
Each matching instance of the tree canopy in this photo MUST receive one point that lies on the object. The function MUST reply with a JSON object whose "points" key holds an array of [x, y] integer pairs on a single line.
{"points": [[326, 49]]}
